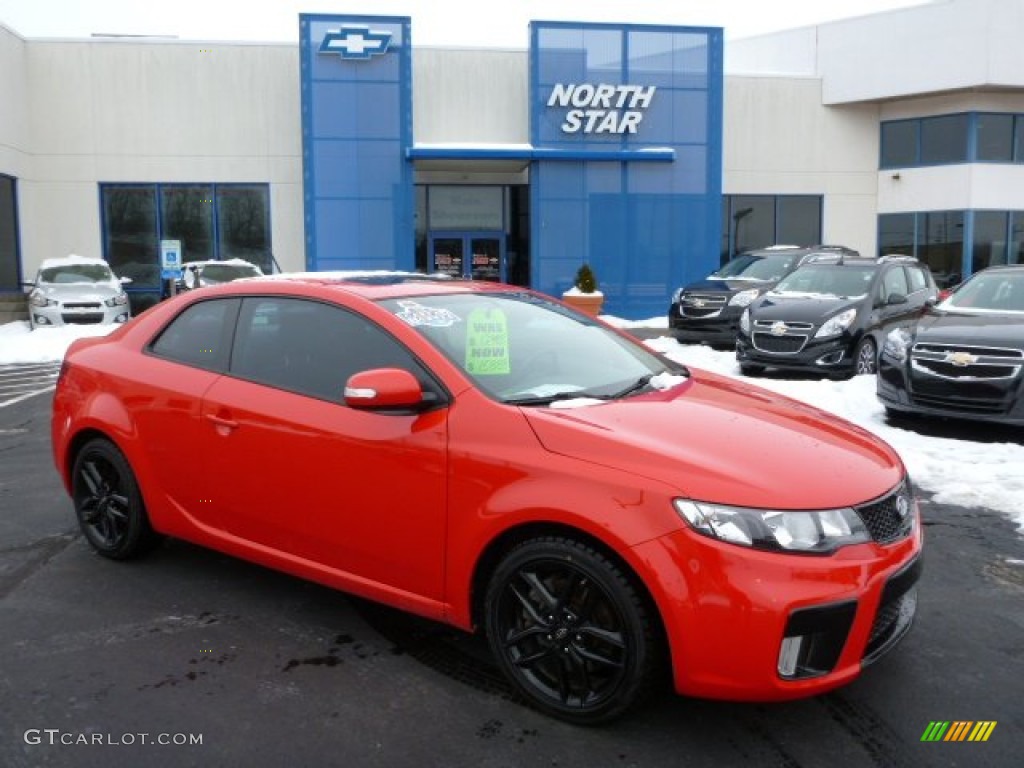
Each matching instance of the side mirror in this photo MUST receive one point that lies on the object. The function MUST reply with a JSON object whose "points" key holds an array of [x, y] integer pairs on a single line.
{"points": [[383, 389], [896, 298]]}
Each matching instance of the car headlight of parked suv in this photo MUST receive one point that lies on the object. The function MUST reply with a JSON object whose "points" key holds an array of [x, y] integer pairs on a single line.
{"points": [[677, 295], [37, 299], [818, 532], [836, 325], [745, 321], [117, 301], [896, 345], [743, 298]]}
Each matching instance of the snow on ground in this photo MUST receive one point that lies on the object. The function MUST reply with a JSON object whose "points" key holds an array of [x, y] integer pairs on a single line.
{"points": [[956, 471]]}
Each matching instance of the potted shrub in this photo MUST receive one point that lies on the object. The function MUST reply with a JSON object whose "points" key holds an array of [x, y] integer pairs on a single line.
{"points": [[584, 294]]}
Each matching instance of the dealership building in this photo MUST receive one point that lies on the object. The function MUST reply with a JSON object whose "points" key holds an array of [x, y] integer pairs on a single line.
{"points": [[650, 152]]}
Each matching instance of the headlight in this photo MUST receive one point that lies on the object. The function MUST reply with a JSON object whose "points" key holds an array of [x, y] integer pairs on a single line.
{"points": [[743, 298], [117, 301], [37, 299], [837, 324], [816, 532], [896, 345], [677, 296], [745, 321]]}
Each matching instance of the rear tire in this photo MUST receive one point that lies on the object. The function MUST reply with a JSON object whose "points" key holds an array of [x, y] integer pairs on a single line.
{"points": [[571, 631], [108, 502]]}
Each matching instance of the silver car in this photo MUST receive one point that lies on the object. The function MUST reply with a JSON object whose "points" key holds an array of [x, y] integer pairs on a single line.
{"points": [[77, 290]]}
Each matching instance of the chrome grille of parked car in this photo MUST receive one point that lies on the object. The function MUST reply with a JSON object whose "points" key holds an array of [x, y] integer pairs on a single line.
{"points": [[701, 304], [889, 519], [780, 337], [961, 362]]}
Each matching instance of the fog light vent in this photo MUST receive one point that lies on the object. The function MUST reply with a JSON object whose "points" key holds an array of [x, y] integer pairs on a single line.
{"points": [[814, 640]]}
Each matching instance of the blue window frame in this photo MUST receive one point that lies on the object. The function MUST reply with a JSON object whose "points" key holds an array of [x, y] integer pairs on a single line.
{"points": [[966, 137]]}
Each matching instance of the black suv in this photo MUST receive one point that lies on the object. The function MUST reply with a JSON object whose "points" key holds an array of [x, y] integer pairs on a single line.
{"points": [[965, 357], [709, 310], [833, 317]]}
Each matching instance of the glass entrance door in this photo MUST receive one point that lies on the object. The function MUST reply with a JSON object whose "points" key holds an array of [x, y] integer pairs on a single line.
{"points": [[471, 255]]}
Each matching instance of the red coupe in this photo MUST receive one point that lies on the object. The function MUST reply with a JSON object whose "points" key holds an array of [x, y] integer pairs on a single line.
{"points": [[485, 456]]}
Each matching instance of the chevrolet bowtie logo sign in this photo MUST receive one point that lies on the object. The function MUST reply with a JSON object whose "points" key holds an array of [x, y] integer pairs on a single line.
{"points": [[352, 42], [960, 359]]}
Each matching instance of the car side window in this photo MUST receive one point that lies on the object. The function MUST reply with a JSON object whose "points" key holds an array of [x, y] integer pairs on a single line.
{"points": [[918, 282], [313, 348], [894, 281], [200, 335]]}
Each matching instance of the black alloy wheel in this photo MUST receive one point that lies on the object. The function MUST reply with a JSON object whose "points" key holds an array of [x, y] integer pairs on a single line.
{"points": [[108, 502], [866, 357], [571, 631]]}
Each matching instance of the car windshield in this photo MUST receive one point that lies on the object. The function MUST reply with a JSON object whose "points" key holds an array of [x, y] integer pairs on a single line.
{"points": [[76, 273], [225, 273], [522, 349], [750, 266], [828, 280], [989, 292]]}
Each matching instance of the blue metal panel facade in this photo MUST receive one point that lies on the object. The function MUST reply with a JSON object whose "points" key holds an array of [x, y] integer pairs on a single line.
{"points": [[646, 227], [356, 81]]}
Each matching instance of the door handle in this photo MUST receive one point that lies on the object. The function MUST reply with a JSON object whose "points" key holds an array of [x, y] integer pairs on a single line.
{"points": [[221, 422]]}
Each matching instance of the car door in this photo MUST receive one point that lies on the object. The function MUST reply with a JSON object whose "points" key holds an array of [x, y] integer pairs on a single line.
{"points": [[888, 315], [300, 473]]}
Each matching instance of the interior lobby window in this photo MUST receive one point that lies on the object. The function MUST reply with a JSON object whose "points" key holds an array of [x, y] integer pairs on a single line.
{"points": [[9, 277], [758, 221], [212, 221], [896, 234], [989, 247], [941, 246]]}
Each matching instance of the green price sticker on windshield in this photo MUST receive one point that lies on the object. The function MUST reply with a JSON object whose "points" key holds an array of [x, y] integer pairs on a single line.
{"points": [[487, 343]]}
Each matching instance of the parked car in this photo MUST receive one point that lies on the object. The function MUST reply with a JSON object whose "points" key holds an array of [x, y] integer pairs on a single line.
{"points": [[196, 274], [964, 358], [833, 317], [485, 456], [709, 310], [76, 290]]}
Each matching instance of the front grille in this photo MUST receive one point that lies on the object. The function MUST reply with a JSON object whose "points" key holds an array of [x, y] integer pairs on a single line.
{"points": [[966, 363], [890, 518], [82, 318], [81, 305], [962, 404], [896, 611], [783, 345], [701, 305]]}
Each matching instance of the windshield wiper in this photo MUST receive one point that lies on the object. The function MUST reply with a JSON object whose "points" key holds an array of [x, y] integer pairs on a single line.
{"points": [[548, 399], [636, 386]]}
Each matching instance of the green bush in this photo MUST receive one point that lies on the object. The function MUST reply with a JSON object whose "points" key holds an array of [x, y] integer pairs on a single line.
{"points": [[585, 280]]}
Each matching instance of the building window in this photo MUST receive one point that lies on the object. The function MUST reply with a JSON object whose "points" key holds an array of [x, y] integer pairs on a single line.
{"points": [[10, 277], [944, 140], [990, 245], [994, 142], [212, 221], [757, 221], [896, 234], [899, 143]]}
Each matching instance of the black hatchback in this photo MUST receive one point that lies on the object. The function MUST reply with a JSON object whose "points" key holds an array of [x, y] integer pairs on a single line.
{"points": [[965, 357], [709, 310], [832, 318]]}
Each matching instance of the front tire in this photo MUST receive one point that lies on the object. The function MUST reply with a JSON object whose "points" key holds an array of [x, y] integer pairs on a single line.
{"points": [[866, 357], [108, 503], [571, 631]]}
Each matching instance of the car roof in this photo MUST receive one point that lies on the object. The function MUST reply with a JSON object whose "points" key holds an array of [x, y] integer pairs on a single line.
{"points": [[372, 285], [71, 258]]}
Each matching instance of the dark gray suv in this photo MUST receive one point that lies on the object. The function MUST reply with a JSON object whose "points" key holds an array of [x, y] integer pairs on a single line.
{"points": [[709, 310]]}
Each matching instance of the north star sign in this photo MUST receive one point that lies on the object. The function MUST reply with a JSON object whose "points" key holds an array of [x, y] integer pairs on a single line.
{"points": [[353, 42], [601, 108]]}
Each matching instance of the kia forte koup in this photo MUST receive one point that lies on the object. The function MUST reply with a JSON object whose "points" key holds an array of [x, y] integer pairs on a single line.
{"points": [[484, 456]]}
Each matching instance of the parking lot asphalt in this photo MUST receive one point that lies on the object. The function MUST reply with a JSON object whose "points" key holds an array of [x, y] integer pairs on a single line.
{"points": [[102, 661]]}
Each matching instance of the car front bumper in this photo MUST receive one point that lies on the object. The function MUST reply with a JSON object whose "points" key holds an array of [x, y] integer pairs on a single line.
{"points": [[833, 355], [77, 313], [736, 618], [720, 329]]}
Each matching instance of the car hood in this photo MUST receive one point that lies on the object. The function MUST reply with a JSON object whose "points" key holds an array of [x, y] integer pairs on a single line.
{"points": [[981, 329], [725, 286], [718, 439], [79, 291], [801, 307]]}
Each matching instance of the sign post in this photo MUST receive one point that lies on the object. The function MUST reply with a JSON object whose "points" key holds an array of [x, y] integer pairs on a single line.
{"points": [[170, 262]]}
